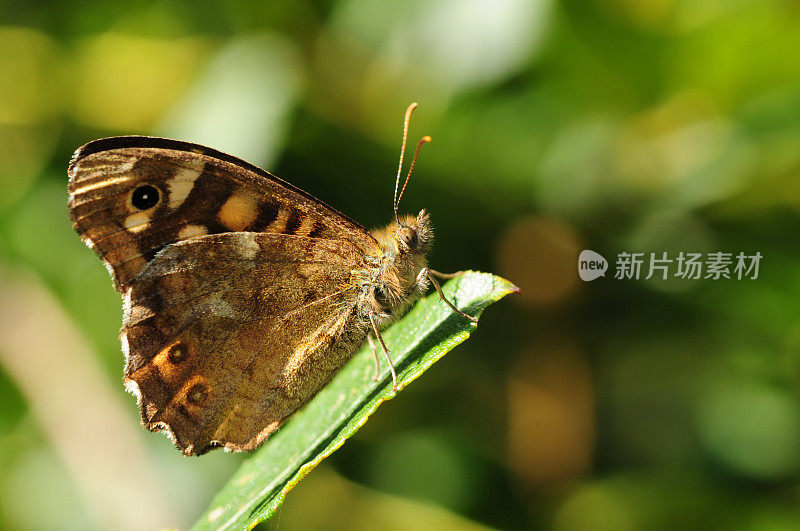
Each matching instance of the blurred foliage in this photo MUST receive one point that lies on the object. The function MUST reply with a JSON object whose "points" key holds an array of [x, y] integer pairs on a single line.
{"points": [[612, 125]]}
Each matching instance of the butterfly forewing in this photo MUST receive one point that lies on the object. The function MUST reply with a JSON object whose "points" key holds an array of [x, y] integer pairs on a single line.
{"points": [[132, 196]]}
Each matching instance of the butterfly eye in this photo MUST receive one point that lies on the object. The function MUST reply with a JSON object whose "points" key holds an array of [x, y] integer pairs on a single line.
{"points": [[408, 236], [145, 197]]}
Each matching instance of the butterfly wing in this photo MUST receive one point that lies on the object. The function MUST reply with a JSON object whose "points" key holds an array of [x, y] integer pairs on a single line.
{"points": [[240, 289], [228, 334], [132, 196]]}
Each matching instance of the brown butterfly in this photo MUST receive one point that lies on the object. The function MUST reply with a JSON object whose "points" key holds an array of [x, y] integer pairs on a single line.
{"points": [[243, 295]]}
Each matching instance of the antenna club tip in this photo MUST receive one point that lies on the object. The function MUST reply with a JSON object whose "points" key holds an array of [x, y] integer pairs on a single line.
{"points": [[424, 139]]}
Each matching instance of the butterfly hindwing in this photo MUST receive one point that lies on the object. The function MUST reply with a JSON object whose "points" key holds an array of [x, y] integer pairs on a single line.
{"points": [[222, 346], [132, 196]]}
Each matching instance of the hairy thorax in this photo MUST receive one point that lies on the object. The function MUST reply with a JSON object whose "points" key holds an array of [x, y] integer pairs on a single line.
{"points": [[393, 281]]}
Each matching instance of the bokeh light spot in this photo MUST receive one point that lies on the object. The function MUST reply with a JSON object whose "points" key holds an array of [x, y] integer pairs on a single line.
{"points": [[551, 414], [125, 83], [539, 255], [751, 427]]}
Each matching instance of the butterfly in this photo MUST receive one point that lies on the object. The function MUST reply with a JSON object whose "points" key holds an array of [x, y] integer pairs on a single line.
{"points": [[242, 294]]}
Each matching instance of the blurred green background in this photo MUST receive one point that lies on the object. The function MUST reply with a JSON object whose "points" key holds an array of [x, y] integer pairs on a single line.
{"points": [[612, 125]]}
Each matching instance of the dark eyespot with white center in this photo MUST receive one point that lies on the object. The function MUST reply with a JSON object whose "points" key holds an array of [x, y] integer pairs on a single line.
{"points": [[145, 197]]}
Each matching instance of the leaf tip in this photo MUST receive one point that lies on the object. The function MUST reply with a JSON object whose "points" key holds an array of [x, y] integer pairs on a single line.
{"points": [[508, 287]]}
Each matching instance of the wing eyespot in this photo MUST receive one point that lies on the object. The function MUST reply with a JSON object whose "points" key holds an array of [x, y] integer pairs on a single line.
{"points": [[177, 353], [198, 394], [144, 197]]}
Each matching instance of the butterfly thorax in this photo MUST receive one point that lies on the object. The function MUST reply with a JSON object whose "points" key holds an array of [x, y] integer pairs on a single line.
{"points": [[395, 282]]}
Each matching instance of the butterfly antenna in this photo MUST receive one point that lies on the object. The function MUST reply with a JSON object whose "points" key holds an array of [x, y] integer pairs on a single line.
{"points": [[423, 140]]}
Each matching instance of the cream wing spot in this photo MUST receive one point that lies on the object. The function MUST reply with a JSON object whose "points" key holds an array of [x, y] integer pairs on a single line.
{"points": [[103, 183], [181, 184], [190, 231], [137, 222], [239, 211], [219, 307], [249, 246]]}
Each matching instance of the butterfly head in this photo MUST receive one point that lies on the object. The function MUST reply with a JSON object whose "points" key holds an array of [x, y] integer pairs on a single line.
{"points": [[405, 243], [414, 236]]}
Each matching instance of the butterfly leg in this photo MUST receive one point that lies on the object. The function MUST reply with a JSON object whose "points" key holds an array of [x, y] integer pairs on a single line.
{"points": [[425, 272], [445, 275], [385, 350], [374, 356]]}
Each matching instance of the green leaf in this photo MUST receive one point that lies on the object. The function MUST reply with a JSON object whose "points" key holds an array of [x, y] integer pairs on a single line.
{"points": [[418, 340]]}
